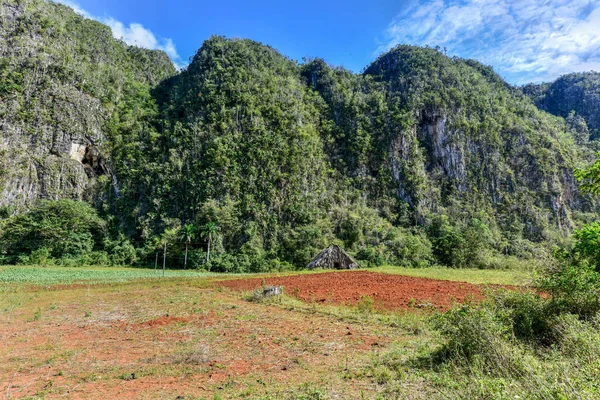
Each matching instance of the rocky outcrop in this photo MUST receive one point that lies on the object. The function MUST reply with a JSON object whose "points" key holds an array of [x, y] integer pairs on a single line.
{"points": [[61, 79]]}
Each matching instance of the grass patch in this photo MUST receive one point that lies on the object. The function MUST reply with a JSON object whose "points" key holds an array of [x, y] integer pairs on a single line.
{"points": [[476, 276], [89, 275]]}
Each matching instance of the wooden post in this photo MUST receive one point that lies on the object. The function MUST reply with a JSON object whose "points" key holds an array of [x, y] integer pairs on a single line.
{"points": [[186, 250], [156, 262], [164, 259]]}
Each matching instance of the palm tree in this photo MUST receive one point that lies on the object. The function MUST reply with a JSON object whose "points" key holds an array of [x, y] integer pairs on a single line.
{"points": [[187, 234], [208, 231]]}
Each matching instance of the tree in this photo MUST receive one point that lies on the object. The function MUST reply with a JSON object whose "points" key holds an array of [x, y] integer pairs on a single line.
{"points": [[169, 235], [589, 178], [188, 232], [209, 231], [63, 227]]}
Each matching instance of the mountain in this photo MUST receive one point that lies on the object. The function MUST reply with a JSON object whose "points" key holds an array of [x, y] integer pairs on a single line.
{"points": [[420, 159], [62, 79], [573, 96]]}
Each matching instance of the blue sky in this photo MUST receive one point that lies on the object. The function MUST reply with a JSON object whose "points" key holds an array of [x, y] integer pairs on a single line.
{"points": [[524, 40]]}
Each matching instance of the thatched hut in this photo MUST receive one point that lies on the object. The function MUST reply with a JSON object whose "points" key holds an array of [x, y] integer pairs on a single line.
{"points": [[333, 257]]}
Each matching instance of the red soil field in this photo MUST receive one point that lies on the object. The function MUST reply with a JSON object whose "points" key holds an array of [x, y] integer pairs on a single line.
{"points": [[388, 291]]}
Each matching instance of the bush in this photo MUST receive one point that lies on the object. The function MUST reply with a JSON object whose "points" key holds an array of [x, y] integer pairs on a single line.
{"points": [[224, 262], [494, 331], [525, 313], [197, 259], [576, 338], [474, 335], [574, 288], [409, 249], [97, 258], [40, 256], [372, 256], [121, 251], [459, 245], [587, 244]]}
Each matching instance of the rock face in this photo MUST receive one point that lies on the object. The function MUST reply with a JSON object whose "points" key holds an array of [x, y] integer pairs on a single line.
{"points": [[450, 133], [61, 78]]}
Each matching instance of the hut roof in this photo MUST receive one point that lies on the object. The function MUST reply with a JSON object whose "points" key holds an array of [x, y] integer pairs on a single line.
{"points": [[333, 257]]}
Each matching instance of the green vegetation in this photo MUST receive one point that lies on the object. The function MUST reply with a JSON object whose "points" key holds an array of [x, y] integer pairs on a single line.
{"points": [[35, 275], [52, 229], [575, 97], [247, 161], [513, 345], [517, 277]]}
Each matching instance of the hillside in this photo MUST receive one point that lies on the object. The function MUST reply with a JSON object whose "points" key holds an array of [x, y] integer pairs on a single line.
{"points": [[575, 97], [420, 159], [62, 79]]}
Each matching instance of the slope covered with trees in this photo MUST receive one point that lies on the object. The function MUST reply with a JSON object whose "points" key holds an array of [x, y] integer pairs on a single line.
{"points": [[575, 97], [420, 159], [64, 81]]}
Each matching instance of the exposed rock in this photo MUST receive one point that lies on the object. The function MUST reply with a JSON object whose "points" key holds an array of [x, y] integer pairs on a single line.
{"points": [[61, 79]]}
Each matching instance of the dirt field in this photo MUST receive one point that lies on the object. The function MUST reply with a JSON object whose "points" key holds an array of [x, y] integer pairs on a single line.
{"points": [[199, 339], [185, 340], [391, 292]]}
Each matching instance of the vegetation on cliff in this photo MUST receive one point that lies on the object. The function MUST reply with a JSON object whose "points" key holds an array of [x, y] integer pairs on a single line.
{"points": [[575, 97], [421, 159]]}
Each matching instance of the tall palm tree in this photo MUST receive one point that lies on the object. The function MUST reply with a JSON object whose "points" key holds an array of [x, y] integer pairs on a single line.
{"points": [[208, 231], [188, 232]]}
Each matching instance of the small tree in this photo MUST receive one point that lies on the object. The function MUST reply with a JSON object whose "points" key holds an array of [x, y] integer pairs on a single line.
{"points": [[168, 236], [188, 232], [209, 231], [589, 178]]}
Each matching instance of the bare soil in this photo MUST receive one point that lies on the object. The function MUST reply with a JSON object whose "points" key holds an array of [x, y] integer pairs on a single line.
{"points": [[174, 341], [388, 291]]}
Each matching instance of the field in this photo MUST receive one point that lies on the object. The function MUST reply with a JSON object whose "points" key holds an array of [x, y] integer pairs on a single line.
{"points": [[390, 292], [125, 333]]}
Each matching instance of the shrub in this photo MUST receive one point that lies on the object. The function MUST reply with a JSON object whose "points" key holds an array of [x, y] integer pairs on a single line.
{"points": [[461, 244], [525, 313], [372, 256], [410, 249], [197, 259], [474, 335], [587, 244], [224, 262], [121, 251], [574, 288], [576, 338], [40, 256]]}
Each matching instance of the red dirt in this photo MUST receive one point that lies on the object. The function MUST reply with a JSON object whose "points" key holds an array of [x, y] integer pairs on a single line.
{"points": [[388, 291], [166, 320], [85, 347]]}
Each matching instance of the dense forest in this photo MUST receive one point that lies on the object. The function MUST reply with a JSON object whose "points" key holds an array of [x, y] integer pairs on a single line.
{"points": [[263, 161], [575, 97]]}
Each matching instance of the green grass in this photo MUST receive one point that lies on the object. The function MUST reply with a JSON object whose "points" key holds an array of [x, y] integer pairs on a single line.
{"points": [[90, 275], [53, 275], [476, 276]]}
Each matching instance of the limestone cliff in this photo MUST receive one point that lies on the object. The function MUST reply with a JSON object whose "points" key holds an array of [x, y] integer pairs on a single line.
{"points": [[61, 78]]}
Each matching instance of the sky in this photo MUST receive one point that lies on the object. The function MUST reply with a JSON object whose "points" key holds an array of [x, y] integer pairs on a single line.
{"points": [[523, 40]]}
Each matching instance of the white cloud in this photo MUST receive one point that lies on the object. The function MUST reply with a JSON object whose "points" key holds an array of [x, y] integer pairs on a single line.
{"points": [[134, 35], [524, 40]]}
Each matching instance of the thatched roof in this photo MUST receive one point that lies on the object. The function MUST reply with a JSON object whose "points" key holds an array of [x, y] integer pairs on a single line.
{"points": [[333, 257]]}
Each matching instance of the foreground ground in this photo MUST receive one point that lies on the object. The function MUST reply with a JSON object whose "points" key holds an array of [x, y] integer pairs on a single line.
{"points": [[195, 337]]}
